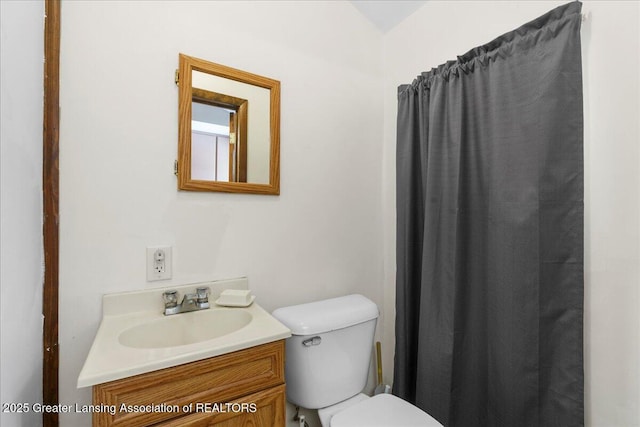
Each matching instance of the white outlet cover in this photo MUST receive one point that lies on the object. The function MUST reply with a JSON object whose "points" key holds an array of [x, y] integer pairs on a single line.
{"points": [[161, 270]]}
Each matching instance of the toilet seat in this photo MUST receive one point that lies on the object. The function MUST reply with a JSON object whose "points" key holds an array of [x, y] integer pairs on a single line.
{"points": [[326, 414], [383, 410]]}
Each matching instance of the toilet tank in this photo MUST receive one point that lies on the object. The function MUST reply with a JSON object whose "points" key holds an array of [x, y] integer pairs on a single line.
{"points": [[329, 352]]}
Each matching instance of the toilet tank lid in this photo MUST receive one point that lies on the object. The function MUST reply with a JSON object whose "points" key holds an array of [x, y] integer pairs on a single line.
{"points": [[327, 315]]}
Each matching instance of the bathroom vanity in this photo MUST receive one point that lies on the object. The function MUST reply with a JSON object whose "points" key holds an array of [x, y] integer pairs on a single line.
{"points": [[241, 388], [221, 366]]}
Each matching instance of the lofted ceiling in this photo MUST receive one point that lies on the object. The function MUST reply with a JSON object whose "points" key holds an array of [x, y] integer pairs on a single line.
{"points": [[386, 14]]}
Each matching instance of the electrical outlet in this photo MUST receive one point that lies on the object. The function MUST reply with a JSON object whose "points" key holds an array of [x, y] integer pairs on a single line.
{"points": [[158, 263]]}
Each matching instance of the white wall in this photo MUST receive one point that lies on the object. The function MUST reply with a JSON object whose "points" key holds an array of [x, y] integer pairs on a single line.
{"points": [[321, 237], [441, 30], [21, 259]]}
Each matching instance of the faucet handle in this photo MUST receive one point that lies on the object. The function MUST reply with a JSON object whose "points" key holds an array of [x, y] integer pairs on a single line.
{"points": [[202, 294], [170, 298]]}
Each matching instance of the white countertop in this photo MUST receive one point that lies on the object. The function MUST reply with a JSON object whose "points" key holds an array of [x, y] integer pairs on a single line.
{"points": [[109, 360]]}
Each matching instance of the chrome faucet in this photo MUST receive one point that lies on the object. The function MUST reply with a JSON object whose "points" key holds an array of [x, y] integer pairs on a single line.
{"points": [[190, 302]]}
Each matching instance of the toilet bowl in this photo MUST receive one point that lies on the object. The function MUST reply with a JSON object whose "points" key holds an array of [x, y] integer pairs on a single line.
{"points": [[327, 364], [382, 410]]}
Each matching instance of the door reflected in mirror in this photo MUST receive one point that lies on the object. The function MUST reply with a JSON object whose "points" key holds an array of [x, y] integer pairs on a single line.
{"points": [[219, 137], [228, 129], [213, 152]]}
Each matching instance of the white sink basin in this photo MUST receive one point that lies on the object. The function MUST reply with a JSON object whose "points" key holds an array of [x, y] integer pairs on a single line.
{"points": [[135, 337], [185, 328]]}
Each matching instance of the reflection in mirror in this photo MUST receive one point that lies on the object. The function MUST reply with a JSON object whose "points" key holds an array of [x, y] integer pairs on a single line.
{"points": [[212, 154], [228, 129], [219, 137]]}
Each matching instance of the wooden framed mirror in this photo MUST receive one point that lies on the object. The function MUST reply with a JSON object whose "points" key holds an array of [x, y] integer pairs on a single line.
{"points": [[228, 129]]}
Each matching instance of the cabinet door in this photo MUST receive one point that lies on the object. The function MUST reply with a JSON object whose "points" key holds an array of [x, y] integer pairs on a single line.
{"points": [[219, 379], [262, 409]]}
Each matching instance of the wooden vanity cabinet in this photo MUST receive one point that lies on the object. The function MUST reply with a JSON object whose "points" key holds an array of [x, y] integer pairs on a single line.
{"points": [[243, 388]]}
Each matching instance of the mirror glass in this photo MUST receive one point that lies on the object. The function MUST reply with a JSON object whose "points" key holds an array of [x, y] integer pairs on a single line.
{"points": [[228, 129], [211, 156]]}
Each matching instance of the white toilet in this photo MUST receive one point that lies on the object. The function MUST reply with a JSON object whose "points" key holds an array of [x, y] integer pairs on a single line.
{"points": [[327, 365]]}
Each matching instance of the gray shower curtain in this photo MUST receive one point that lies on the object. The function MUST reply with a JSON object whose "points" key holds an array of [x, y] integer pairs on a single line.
{"points": [[489, 299]]}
